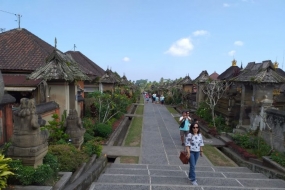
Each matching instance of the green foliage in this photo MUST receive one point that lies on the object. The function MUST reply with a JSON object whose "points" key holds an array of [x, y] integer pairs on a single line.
{"points": [[5, 147], [93, 147], [68, 156], [109, 105], [5, 170], [254, 144], [28, 175], [56, 130], [204, 111], [103, 130], [278, 157]]}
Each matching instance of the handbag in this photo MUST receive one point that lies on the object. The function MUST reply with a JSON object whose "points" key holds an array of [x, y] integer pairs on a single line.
{"points": [[182, 124], [183, 157]]}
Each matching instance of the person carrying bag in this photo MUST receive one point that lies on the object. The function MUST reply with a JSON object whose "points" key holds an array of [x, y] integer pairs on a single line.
{"points": [[194, 143]]}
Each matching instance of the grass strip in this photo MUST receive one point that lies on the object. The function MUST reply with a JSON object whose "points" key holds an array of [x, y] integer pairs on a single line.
{"points": [[134, 134], [171, 110], [139, 110], [216, 157], [129, 159]]}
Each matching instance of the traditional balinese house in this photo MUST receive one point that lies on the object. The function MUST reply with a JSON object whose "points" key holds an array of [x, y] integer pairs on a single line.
{"points": [[21, 52], [188, 94], [109, 81], [61, 74], [91, 69], [279, 94], [228, 105], [124, 86], [258, 81], [200, 82]]}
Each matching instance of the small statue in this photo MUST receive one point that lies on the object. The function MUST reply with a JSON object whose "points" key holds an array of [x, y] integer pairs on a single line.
{"points": [[74, 128], [29, 143]]}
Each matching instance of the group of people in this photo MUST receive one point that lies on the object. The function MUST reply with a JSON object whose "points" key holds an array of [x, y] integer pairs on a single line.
{"points": [[158, 99], [192, 139]]}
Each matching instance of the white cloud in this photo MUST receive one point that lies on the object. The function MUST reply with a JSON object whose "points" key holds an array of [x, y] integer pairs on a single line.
{"points": [[226, 5], [200, 32], [181, 47], [126, 59], [232, 53], [238, 43]]}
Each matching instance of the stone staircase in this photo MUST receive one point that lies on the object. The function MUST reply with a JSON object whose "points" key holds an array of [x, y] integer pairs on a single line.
{"points": [[172, 177]]}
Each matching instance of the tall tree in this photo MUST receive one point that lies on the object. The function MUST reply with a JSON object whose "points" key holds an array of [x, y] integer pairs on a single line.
{"points": [[214, 89]]}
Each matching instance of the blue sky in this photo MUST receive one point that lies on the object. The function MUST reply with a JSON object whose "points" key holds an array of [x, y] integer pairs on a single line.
{"points": [[150, 39]]}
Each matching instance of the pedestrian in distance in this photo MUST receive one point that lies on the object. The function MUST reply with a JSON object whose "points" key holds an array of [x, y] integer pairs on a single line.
{"points": [[147, 98], [194, 143], [184, 127], [162, 99]]}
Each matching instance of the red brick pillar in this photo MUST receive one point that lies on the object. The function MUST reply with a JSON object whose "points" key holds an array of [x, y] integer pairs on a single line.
{"points": [[9, 121]]}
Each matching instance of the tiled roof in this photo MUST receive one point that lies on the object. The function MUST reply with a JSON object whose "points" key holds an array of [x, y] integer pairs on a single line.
{"points": [[19, 80], [261, 73], [231, 72], [59, 66], [214, 76], [22, 50], [86, 65]]}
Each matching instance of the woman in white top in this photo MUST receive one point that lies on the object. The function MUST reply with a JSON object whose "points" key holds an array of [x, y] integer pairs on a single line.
{"points": [[194, 143]]}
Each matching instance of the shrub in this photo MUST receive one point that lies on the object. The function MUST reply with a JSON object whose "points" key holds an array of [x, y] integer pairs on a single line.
{"points": [[5, 170], [278, 157], [93, 147], [56, 130], [28, 175], [68, 156], [103, 130]]}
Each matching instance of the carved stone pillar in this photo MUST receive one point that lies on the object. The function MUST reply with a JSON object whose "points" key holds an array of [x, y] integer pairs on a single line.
{"points": [[74, 128], [29, 143]]}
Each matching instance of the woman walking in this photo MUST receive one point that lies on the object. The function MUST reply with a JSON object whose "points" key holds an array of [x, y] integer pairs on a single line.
{"points": [[194, 143]]}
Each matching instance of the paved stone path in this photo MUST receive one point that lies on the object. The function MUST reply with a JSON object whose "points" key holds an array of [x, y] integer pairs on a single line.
{"points": [[161, 142]]}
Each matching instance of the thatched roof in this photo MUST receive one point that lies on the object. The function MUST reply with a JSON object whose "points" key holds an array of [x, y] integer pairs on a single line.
{"points": [[59, 66], [109, 77], [261, 73], [203, 77], [124, 81], [186, 80], [231, 72]]}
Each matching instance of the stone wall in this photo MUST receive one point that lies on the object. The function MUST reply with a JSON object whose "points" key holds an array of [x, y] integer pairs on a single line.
{"points": [[276, 121]]}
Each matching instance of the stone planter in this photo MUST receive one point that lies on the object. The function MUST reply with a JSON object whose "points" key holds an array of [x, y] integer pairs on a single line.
{"points": [[268, 162]]}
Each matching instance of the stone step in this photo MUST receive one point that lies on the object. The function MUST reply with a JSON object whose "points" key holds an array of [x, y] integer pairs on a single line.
{"points": [[181, 168], [182, 173], [99, 186], [213, 182]]}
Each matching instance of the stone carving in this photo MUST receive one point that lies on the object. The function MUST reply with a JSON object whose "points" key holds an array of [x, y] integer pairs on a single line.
{"points": [[29, 143], [74, 128]]}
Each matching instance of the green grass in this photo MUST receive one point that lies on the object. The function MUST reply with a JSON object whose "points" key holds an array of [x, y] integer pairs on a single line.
{"points": [[139, 110], [134, 134], [216, 157], [171, 110], [129, 159]]}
